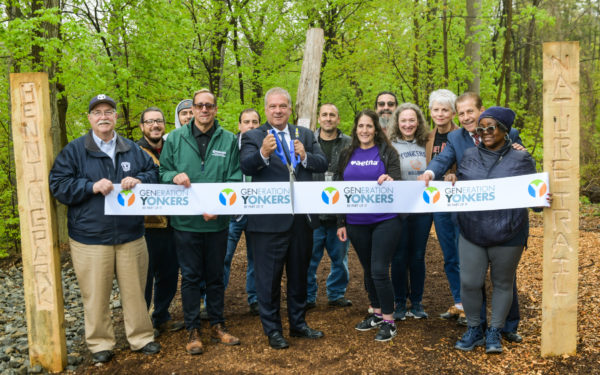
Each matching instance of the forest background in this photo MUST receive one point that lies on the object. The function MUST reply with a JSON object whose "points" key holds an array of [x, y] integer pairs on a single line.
{"points": [[156, 53]]}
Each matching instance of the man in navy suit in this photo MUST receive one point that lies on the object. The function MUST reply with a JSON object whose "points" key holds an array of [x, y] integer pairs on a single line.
{"points": [[469, 106], [281, 240]]}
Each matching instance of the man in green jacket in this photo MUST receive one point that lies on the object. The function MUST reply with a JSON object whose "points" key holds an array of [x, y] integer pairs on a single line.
{"points": [[201, 151]]}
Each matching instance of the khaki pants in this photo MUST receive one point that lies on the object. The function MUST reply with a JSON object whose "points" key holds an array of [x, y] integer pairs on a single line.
{"points": [[95, 267]]}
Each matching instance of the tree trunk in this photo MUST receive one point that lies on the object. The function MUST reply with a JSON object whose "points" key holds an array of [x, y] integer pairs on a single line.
{"points": [[445, 40], [58, 100], [238, 62], [506, 70], [472, 46], [415, 53]]}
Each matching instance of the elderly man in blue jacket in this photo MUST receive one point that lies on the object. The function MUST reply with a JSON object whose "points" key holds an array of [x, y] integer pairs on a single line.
{"points": [[469, 106], [82, 175]]}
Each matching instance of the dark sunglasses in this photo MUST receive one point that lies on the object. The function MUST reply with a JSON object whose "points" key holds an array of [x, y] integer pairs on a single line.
{"points": [[389, 104], [205, 105], [489, 129]]}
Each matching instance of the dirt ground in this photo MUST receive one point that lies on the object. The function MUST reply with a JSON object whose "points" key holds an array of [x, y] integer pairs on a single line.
{"points": [[421, 347]]}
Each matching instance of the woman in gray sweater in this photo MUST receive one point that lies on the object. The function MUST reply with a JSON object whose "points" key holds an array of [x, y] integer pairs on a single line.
{"points": [[409, 135]]}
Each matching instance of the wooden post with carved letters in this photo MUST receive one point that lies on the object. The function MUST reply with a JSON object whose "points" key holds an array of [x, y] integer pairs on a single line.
{"points": [[308, 87], [32, 141], [561, 221]]}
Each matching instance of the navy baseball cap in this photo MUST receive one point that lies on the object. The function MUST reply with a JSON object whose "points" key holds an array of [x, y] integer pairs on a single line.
{"points": [[99, 99]]}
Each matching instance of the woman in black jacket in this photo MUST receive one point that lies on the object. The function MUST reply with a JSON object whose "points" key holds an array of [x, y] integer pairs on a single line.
{"points": [[375, 236], [494, 237]]}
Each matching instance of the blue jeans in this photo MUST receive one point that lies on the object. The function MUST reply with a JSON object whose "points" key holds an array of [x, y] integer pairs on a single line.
{"points": [[163, 272], [235, 232], [447, 233], [337, 281], [410, 256]]}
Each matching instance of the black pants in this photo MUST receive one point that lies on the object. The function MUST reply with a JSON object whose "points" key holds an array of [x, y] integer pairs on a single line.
{"points": [[201, 257], [273, 251], [163, 272], [375, 245]]}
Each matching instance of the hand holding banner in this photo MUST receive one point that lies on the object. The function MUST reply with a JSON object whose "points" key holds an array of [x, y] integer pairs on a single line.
{"points": [[330, 197]]}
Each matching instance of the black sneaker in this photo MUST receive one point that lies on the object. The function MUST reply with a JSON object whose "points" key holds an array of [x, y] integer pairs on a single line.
{"points": [[340, 302], [371, 321], [387, 331]]}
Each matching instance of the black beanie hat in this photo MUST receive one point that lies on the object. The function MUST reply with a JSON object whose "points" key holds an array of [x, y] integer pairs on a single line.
{"points": [[505, 116]]}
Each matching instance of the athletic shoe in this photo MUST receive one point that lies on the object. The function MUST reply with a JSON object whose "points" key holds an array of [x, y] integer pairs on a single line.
{"points": [[493, 340], [416, 311], [452, 313], [400, 313], [387, 331], [472, 338], [512, 337], [340, 302], [371, 321]]}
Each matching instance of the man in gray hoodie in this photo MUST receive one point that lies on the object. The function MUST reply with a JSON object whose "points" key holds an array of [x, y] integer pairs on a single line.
{"points": [[183, 113]]}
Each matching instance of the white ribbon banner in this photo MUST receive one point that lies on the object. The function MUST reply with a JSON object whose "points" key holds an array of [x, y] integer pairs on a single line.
{"points": [[335, 197]]}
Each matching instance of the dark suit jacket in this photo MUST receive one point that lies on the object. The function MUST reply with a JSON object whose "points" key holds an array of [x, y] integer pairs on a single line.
{"points": [[253, 165], [458, 141]]}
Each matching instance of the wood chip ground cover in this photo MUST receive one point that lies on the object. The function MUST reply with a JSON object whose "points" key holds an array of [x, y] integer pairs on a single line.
{"points": [[421, 347]]}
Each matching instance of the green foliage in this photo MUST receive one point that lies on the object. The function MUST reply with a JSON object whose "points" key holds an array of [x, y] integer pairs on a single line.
{"points": [[155, 53]]}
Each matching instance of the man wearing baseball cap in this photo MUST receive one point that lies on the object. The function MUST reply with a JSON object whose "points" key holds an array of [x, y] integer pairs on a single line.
{"points": [[82, 175]]}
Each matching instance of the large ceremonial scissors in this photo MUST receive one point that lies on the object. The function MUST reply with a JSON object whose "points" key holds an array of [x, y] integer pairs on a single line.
{"points": [[290, 160]]}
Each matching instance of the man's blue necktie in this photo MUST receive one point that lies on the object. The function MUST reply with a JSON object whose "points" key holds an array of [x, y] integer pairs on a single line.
{"points": [[286, 149]]}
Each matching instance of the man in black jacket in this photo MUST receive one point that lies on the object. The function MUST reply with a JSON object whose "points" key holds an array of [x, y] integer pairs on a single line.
{"points": [[163, 269], [281, 240], [332, 142]]}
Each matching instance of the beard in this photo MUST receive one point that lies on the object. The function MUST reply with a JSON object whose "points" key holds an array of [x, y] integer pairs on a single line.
{"points": [[384, 121], [153, 139]]}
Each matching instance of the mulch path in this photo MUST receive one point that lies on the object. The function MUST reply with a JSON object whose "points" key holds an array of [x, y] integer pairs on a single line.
{"points": [[421, 347]]}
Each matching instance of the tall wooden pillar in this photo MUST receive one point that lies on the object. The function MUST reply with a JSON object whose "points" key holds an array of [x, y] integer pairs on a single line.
{"points": [[561, 221], [308, 88], [32, 141]]}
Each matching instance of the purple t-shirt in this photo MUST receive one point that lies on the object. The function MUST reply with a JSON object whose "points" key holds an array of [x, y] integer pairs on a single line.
{"points": [[365, 165]]}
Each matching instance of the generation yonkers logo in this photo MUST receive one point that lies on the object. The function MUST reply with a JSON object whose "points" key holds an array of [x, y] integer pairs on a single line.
{"points": [[330, 195], [362, 196], [126, 198], [431, 195], [227, 197], [461, 196], [537, 188], [155, 198], [259, 197]]}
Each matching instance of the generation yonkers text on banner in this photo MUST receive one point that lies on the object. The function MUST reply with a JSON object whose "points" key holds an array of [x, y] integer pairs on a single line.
{"points": [[330, 197]]}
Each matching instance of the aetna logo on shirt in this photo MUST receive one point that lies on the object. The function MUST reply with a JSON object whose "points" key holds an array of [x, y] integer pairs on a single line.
{"points": [[364, 163]]}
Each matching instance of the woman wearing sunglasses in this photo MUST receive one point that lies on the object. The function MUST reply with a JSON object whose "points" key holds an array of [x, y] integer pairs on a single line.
{"points": [[494, 237]]}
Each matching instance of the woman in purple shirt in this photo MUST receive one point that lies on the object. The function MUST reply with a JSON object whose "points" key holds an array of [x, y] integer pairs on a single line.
{"points": [[375, 237]]}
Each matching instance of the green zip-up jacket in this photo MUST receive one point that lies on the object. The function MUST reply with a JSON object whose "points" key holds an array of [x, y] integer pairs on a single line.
{"points": [[222, 164]]}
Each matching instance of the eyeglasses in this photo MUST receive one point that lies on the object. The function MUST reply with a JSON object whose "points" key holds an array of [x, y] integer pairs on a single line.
{"points": [[157, 122], [389, 104], [489, 129], [208, 106], [105, 113]]}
